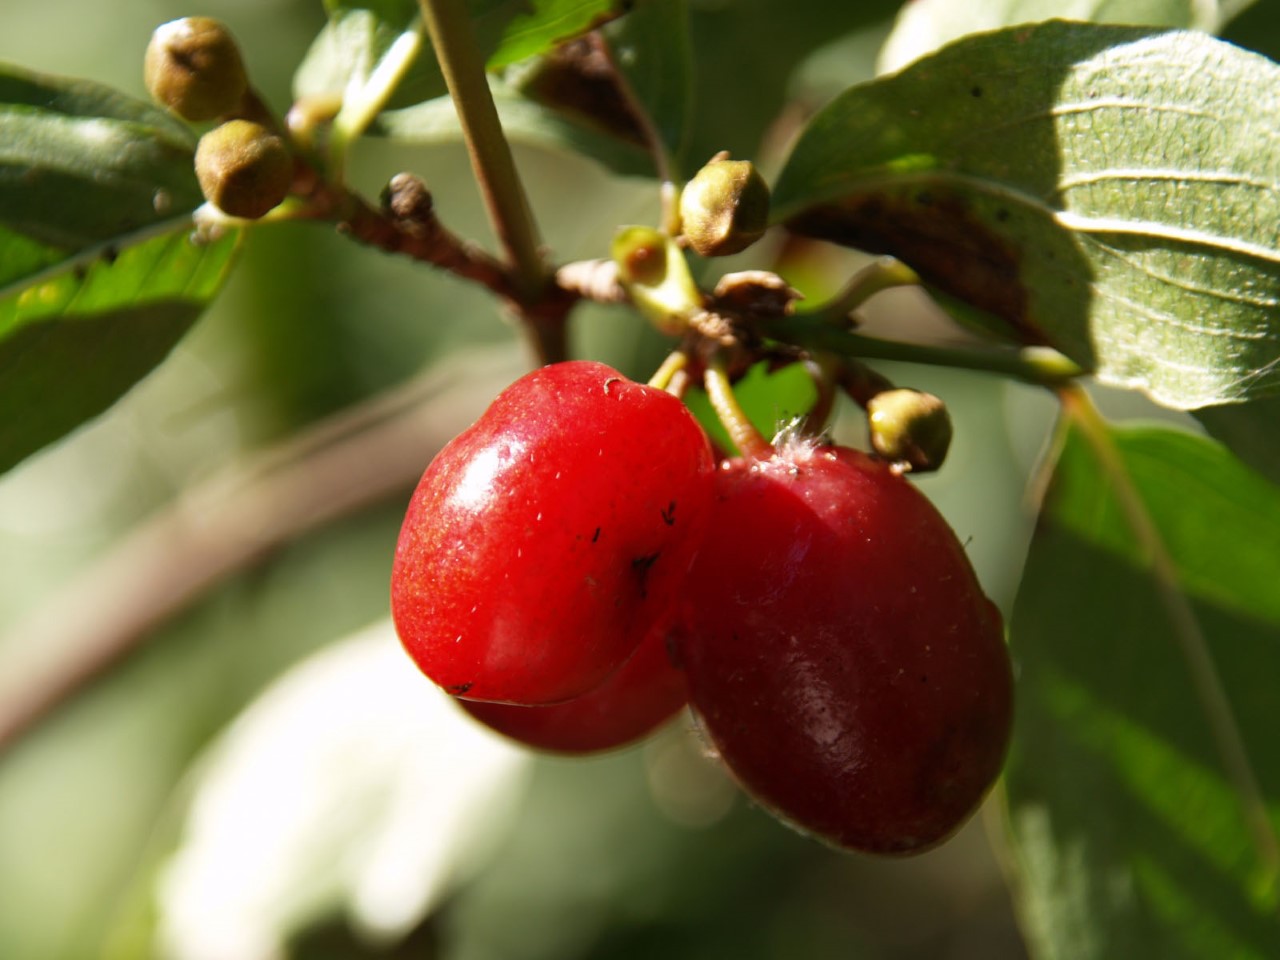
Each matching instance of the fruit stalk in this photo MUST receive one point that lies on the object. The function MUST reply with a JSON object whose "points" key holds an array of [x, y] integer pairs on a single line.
{"points": [[449, 27]]}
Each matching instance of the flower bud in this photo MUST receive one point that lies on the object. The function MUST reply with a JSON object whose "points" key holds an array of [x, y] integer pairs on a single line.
{"points": [[244, 169], [193, 67], [724, 208], [910, 428]]}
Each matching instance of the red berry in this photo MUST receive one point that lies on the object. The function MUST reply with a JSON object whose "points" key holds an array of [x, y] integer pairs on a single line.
{"points": [[643, 694], [544, 542], [841, 655]]}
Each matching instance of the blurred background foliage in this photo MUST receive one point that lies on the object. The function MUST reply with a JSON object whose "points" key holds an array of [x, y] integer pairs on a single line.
{"points": [[641, 854]]}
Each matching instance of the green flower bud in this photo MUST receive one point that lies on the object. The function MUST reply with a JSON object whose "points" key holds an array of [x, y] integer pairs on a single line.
{"points": [[244, 169], [910, 428], [724, 208], [193, 67]]}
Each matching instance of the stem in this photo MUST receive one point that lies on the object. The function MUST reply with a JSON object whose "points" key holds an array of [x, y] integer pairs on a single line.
{"points": [[677, 360], [1041, 366], [449, 26], [881, 274], [1214, 702], [742, 431]]}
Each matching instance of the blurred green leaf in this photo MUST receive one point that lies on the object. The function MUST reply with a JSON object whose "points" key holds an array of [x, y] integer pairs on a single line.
{"points": [[1250, 431], [350, 46], [359, 35], [548, 23], [652, 49], [98, 276], [926, 25], [1130, 838], [1107, 190], [352, 786], [769, 399], [523, 120]]}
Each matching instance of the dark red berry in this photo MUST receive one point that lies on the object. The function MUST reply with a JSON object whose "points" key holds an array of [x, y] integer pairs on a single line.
{"points": [[546, 541], [643, 694], [841, 655]]}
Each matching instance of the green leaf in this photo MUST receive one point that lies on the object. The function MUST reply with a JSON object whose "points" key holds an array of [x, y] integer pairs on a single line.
{"points": [[1109, 191], [523, 120], [926, 25], [359, 35], [770, 401], [81, 164], [348, 49], [98, 276], [421, 788], [72, 343], [1130, 837], [652, 49], [1250, 431], [549, 23]]}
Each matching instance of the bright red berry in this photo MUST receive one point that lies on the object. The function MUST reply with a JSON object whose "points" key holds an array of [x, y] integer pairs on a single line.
{"points": [[545, 542], [643, 694], [841, 655]]}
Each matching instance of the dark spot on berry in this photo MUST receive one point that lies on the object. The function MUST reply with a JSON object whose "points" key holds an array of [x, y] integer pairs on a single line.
{"points": [[641, 566], [672, 643], [669, 514], [595, 536], [458, 689]]}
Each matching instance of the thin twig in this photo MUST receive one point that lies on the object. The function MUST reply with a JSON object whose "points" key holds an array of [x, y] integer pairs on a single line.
{"points": [[349, 462]]}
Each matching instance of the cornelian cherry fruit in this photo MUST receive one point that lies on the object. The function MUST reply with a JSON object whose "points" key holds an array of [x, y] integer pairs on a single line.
{"points": [[840, 653], [546, 541], [643, 694]]}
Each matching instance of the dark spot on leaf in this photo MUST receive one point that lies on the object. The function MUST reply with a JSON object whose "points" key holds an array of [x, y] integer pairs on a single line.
{"points": [[946, 243], [924, 198], [578, 78], [975, 92], [669, 514], [110, 254], [1002, 215], [640, 566]]}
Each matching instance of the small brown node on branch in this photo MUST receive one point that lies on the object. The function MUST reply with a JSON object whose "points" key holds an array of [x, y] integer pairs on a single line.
{"points": [[754, 295], [407, 199]]}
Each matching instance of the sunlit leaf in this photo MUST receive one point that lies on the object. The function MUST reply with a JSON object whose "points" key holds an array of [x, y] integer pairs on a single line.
{"points": [[99, 276], [1130, 824], [351, 787], [926, 25], [537, 30], [1110, 191]]}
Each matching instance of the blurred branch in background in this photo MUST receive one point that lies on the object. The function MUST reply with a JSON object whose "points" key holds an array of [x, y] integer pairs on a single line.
{"points": [[365, 454]]}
